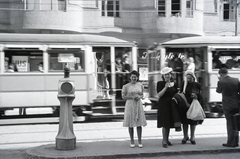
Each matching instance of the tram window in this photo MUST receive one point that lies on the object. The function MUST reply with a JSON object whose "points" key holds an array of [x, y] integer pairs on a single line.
{"points": [[78, 65], [228, 59], [24, 61]]}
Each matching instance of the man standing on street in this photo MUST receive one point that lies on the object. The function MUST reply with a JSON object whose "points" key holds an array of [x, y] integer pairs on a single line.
{"points": [[229, 87]]}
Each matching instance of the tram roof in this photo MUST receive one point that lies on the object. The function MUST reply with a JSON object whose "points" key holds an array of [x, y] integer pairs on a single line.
{"points": [[204, 41], [87, 39]]}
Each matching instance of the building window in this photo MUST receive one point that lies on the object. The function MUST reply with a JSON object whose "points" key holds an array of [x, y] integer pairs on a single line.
{"points": [[62, 5], [176, 8], [189, 8], [228, 12], [161, 8], [111, 8]]}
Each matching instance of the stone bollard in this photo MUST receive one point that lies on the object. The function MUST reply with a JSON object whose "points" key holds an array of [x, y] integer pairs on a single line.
{"points": [[66, 140]]}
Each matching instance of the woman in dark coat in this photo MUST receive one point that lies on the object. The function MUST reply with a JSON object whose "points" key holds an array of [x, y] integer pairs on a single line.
{"points": [[165, 90], [192, 90]]}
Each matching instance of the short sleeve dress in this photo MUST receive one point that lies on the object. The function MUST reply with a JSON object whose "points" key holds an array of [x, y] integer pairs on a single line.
{"points": [[164, 116], [134, 115]]}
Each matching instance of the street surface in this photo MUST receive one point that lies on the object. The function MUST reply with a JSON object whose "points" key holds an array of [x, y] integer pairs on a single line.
{"points": [[196, 156], [15, 139]]}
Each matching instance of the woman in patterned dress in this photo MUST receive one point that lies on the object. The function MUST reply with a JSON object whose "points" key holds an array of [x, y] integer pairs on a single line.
{"points": [[134, 115], [165, 91]]}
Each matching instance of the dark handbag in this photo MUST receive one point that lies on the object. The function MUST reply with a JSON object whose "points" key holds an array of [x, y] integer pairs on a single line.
{"points": [[236, 122]]}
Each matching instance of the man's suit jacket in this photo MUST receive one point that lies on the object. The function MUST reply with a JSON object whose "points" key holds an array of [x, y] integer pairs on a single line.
{"points": [[229, 87]]}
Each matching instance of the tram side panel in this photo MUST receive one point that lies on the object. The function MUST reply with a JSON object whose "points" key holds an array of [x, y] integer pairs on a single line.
{"points": [[215, 99], [39, 91]]}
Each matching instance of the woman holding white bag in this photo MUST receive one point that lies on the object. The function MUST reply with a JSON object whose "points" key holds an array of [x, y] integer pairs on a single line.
{"points": [[192, 90]]}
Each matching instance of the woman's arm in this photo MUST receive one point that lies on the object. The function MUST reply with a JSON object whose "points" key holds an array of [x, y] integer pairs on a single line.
{"points": [[140, 95], [161, 89]]}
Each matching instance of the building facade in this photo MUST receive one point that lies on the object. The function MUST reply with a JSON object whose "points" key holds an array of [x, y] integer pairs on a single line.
{"points": [[143, 21]]}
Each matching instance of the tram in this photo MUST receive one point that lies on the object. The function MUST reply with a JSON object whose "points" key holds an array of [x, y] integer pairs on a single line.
{"points": [[209, 54], [32, 64]]}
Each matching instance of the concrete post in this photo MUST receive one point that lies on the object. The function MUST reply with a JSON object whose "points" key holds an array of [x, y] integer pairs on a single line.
{"points": [[66, 139], [2, 65]]}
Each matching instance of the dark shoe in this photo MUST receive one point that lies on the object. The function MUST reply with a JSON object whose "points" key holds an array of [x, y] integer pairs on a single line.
{"points": [[229, 145], [165, 145], [193, 142], [185, 141], [235, 145], [169, 143]]}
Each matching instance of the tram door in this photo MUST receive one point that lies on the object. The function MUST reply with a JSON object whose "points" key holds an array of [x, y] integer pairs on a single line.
{"points": [[113, 67]]}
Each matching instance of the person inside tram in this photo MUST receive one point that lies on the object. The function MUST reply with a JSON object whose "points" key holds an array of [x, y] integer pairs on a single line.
{"points": [[119, 76], [103, 82], [12, 68], [125, 63], [191, 65], [126, 68], [198, 67], [216, 62], [177, 64], [233, 63], [40, 67]]}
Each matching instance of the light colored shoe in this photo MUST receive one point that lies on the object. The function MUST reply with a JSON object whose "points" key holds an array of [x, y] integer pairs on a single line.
{"points": [[132, 145], [140, 145]]}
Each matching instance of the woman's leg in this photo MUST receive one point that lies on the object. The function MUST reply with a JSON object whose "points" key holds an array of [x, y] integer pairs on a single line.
{"points": [[185, 133], [139, 133], [131, 132], [167, 136], [192, 129], [167, 133], [164, 134]]}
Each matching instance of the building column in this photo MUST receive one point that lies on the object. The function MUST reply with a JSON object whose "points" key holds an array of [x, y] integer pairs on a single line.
{"points": [[183, 8], [44, 49], [168, 8], [2, 58]]}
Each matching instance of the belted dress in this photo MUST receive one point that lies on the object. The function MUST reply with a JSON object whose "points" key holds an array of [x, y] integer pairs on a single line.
{"points": [[134, 115]]}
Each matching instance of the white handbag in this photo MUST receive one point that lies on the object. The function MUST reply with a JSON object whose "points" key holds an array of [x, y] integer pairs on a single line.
{"points": [[195, 111]]}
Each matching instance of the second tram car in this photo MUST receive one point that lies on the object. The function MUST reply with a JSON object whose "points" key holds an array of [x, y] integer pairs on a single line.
{"points": [[209, 54]]}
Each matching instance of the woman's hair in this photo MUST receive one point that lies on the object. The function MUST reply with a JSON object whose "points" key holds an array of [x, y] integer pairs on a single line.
{"points": [[171, 79], [134, 72], [194, 78]]}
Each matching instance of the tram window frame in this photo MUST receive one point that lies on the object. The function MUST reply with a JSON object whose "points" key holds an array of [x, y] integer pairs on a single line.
{"points": [[77, 66], [226, 58], [26, 61]]}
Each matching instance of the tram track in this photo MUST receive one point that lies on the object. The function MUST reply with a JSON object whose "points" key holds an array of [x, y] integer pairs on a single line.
{"points": [[34, 119]]}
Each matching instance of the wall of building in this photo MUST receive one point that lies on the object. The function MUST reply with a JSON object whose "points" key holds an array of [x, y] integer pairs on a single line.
{"points": [[139, 20], [4, 16], [213, 22]]}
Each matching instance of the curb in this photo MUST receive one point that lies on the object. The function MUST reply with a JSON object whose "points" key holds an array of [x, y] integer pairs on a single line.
{"points": [[121, 149]]}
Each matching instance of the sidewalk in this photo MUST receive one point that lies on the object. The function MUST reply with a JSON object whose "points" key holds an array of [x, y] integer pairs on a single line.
{"points": [[108, 140], [121, 149]]}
